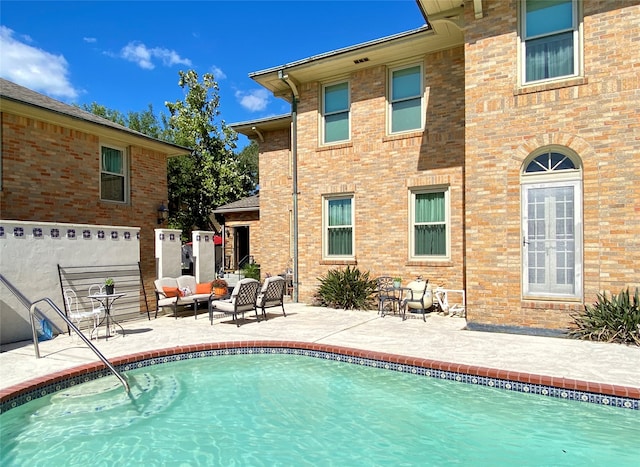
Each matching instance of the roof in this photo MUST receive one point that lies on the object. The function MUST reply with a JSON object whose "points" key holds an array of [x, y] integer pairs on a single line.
{"points": [[14, 93], [439, 35], [252, 203], [254, 128]]}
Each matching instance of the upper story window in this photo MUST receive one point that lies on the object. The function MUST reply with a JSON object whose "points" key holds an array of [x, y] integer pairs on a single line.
{"points": [[406, 93], [430, 224], [114, 182], [336, 112], [550, 39], [338, 231]]}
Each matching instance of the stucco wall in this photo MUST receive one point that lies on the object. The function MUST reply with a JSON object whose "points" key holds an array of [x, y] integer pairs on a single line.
{"points": [[29, 256]]}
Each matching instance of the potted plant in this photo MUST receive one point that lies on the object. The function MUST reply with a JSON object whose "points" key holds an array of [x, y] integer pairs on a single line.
{"points": [[397, 282], [108, 286], [219, 287]]}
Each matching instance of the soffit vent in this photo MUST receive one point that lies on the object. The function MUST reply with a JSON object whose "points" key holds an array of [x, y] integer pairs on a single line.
{"points": [[361, 60]]}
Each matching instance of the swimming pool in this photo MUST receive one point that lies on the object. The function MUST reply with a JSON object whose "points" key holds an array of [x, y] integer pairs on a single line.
{"points": [[256, 406]]}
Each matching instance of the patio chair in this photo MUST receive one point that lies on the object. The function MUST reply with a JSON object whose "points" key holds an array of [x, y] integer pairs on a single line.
{"points": [[243, 299], [97, 308], [387, 294], [75, 314], [272, 294], [419, 297]]}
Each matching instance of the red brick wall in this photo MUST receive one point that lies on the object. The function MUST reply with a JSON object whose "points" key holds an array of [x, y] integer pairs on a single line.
{"points": [[597, 117], [52, 173]]}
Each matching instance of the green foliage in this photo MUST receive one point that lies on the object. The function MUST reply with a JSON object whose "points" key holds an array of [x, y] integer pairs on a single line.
{"points": [[615, 319], [212, 174], [102, 111], [248, 158], [252, 271], [348, 289]]}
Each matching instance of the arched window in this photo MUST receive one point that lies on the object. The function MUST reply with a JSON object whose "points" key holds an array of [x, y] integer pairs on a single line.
{"points": [[551, 183]]}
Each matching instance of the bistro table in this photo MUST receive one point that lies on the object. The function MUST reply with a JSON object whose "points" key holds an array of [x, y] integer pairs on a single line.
{"points": [[107, 302]]}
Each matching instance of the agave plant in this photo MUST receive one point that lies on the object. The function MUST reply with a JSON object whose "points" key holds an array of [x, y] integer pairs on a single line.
{"points": [[615, 319], [348, 289]]}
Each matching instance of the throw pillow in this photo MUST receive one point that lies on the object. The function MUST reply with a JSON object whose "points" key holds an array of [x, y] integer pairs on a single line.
{"points": [[170, 291], [203, 288], [185, 291]]}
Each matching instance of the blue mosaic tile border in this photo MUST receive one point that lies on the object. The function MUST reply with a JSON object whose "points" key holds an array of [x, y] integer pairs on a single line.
{"points": [[507, 385]]}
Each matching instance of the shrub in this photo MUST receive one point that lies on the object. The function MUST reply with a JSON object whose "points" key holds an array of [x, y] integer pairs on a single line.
{"points": [[348, 289], [252, 271], [615, 319]]}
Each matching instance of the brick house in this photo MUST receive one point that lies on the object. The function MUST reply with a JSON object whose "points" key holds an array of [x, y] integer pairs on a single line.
{"points": [[490, 150], [62, 164], [241, 231]]}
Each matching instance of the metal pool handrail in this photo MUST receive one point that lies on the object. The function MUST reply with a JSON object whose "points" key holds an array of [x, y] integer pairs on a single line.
{"points": [[32, 313]]}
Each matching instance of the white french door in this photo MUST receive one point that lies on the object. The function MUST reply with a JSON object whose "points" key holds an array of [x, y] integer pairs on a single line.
{"points": [[551, 241]]}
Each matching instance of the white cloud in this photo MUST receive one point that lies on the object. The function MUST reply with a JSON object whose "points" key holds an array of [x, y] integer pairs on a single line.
{"points": [[144, 56], [253, 101], [90, 40], [218, 74], [34, 68]]}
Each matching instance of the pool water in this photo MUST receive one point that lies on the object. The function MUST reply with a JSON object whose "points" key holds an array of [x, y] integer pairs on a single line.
{"points": [[265, 410]]}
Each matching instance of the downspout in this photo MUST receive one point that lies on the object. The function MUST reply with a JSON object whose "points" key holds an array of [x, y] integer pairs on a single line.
{"points": [[294, 167]]}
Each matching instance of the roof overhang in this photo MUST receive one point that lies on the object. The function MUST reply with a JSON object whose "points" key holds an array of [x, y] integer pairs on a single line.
{"points": [[429, 38], [125, 136], [434, 10], [255, 128]]}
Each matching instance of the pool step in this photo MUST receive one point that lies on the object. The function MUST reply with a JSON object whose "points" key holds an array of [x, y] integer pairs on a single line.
{"points": [[78, 406]]}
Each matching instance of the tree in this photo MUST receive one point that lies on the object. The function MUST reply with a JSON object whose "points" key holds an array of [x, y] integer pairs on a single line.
{"points": [[147, 123], [249, 164], [101, 111], [212, 175]]}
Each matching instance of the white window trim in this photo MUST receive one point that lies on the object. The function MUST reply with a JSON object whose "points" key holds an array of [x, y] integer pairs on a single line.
{"points": [[390, 101], [323, 123], [578, 56], [447, 221], [125, 169], [325, 227]]}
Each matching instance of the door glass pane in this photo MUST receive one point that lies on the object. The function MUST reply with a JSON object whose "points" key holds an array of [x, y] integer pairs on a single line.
{"points": [[550, 241]]}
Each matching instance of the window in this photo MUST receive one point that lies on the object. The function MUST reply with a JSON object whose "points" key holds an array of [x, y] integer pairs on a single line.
{"points": [[430, 220], [113, 175], [550, 31], [336, 112], [406, 99], [551, 220], [339, 238]]}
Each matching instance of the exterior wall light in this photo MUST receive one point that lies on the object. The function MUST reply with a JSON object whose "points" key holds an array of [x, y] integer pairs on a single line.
{"points": [[163, 213]]}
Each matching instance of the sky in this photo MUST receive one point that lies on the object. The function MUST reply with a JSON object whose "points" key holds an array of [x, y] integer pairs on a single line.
{"points": [[126, 55]]}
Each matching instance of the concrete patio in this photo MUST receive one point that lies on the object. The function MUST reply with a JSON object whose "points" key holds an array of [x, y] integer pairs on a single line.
{"points": [[441, 338]]}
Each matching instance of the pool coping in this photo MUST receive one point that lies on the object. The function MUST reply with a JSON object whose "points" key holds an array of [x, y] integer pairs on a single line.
{"points": [[549, 386]]}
